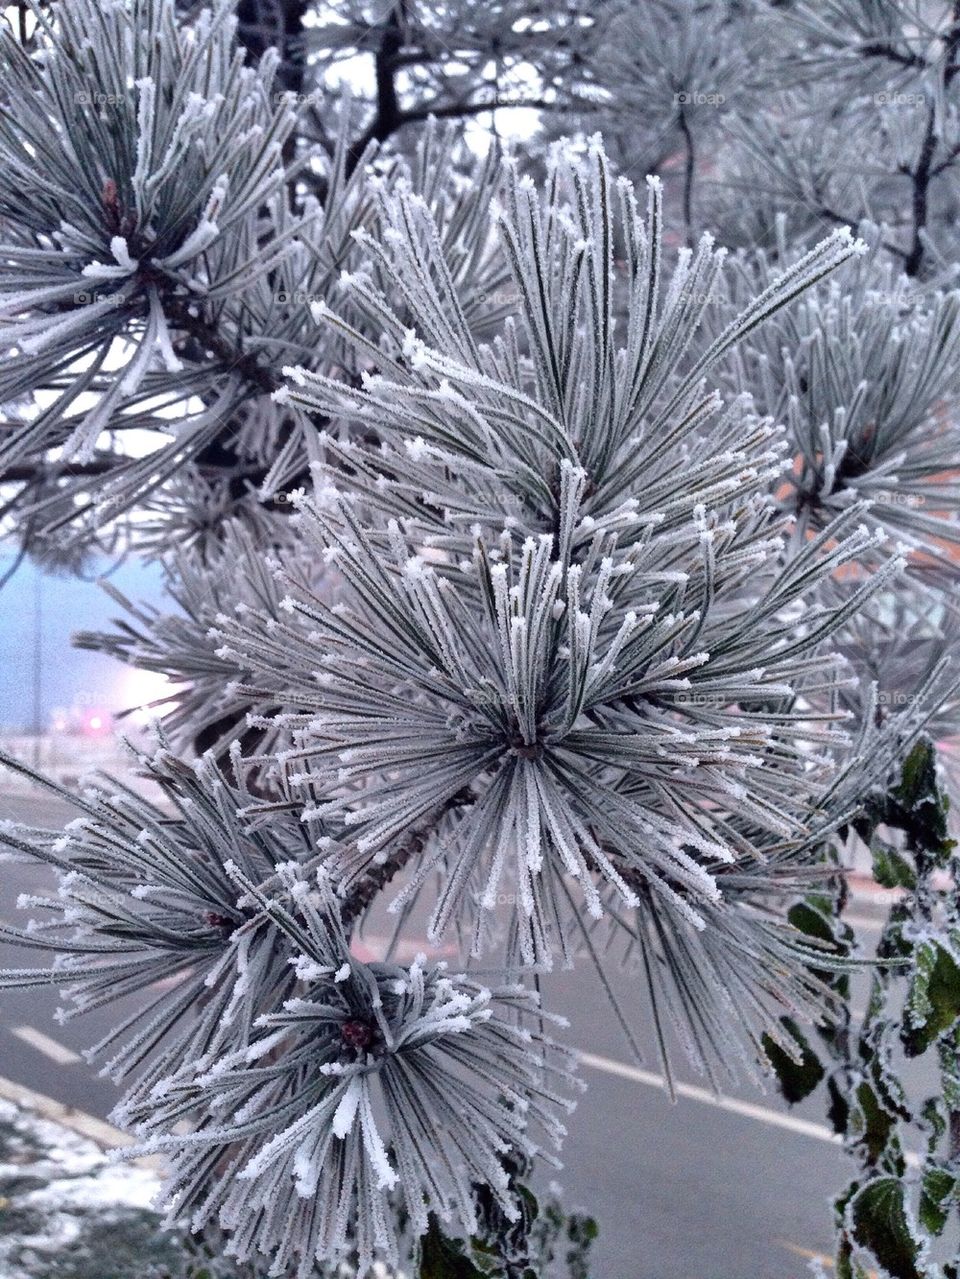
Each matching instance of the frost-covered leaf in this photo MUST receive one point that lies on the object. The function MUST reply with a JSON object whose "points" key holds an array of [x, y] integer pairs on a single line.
{"points": [[934, 999], [871, 1124], [838, 1110], [890, 868], [917, 805], [879, 1223], [938, 1193]]}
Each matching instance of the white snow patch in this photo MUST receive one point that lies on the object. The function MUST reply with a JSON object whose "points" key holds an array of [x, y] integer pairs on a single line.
{"points": [[79, 1180]]}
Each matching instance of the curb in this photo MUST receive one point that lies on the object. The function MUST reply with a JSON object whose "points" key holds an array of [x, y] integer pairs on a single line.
{"points": [[102, 1134]]}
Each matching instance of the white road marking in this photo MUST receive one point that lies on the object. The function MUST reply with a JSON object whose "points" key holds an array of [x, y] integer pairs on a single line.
{"points": [[747, 1109], [59, 1053], [733, 1104]]}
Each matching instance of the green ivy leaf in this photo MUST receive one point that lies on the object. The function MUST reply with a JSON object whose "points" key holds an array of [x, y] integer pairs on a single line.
{"points": [[934, 1001], [948, 1055], [889, 1088], [933, 1119], [486, 1257], [844, 1256], [814, 923], [838, 1110], [891, 869], [582, 1229], [872, 1121], [443, 1258], [916, 805], [937, 1189], [797, 1079], [919, 1008], [842, 1265], [879, 1223], [816, 918], [918, 779]]}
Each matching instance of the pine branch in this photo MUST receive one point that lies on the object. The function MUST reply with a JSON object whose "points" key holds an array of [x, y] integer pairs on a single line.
{"points": [[377, 877], [921, 176]]}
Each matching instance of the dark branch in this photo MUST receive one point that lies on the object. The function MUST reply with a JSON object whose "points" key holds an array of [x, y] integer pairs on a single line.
{"points": [[688, 172], [920, 197], [880, 49]]}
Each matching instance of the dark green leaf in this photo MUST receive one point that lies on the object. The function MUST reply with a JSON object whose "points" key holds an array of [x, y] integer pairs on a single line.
{"points": [[886, 1082], [916, 805], [879, 1223], [918, 780], [934, 1000], [891, 869], [811, 921], [443, 1258], [582, 1229], [876, 1124], [843, 1266], [937, 1188], [933, 1119], [838, 1110], [797, 1079]]}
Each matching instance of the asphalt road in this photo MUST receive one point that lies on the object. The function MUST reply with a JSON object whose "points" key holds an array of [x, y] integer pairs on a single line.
{"points": [[681, 1191]]}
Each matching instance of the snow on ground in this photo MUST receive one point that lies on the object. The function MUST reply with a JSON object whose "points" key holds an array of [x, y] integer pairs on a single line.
{"points": [[66, 1212]]}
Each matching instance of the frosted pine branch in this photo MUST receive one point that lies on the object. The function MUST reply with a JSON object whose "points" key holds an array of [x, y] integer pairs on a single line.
{"points": [[379, 1088]]}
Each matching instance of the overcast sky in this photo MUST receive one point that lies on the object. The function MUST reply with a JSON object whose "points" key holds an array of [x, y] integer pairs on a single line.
{"points": [[68, 677]]}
